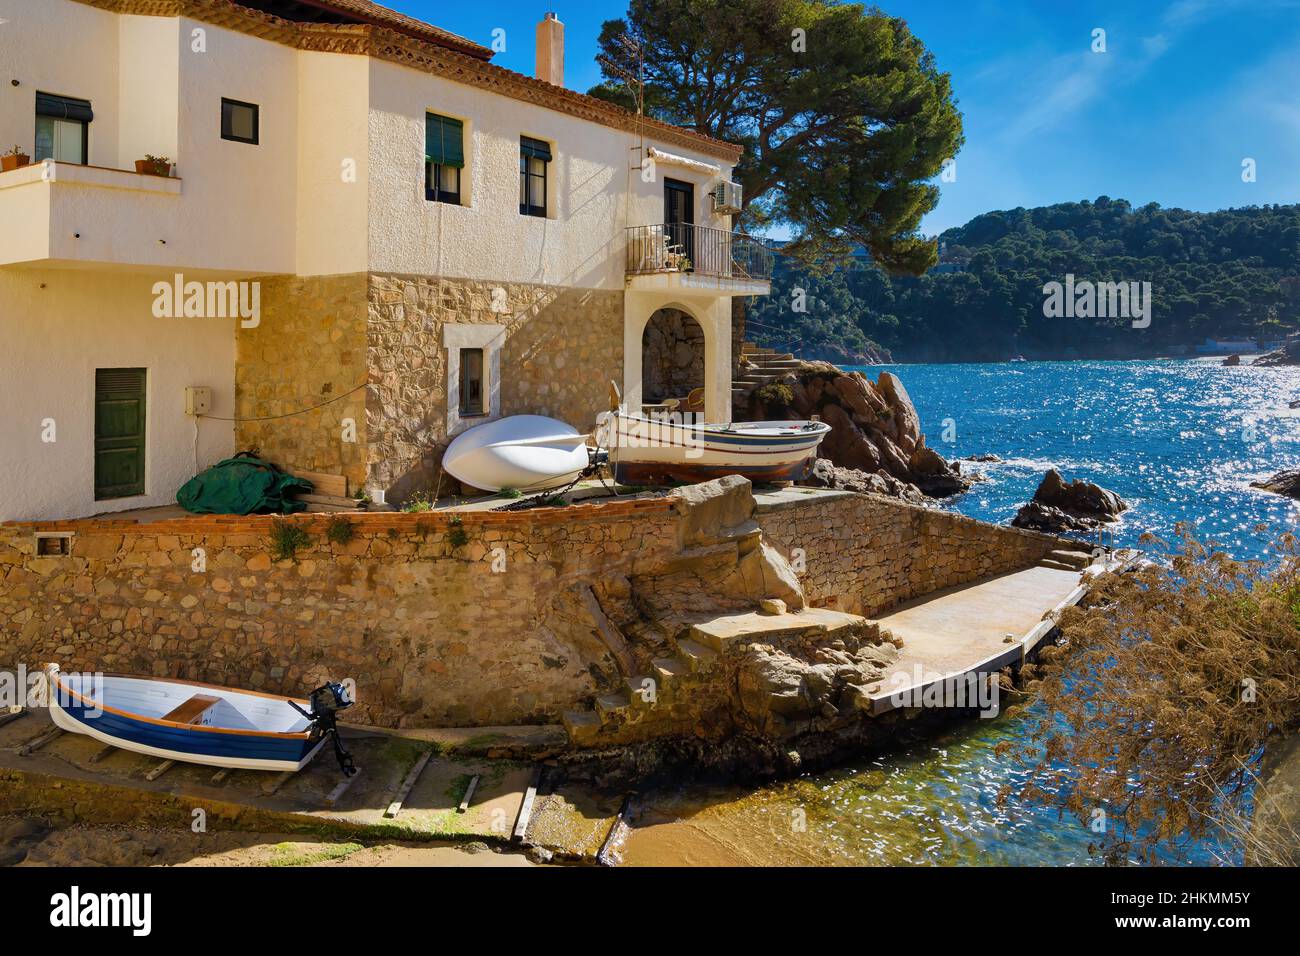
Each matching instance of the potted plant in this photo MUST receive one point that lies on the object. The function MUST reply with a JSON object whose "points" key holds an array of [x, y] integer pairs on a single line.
{"points": [[14, 159], [154, 166]]}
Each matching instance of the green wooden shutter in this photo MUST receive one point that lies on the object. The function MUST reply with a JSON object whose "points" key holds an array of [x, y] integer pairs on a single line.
{"points": [[444, 140], [119, 432]]}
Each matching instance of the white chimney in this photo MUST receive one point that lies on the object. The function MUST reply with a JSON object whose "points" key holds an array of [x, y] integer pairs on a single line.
{"points": [[550, 50]]}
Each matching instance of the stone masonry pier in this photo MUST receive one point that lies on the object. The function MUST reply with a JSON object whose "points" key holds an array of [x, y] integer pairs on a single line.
{"points": [[708, 612]]}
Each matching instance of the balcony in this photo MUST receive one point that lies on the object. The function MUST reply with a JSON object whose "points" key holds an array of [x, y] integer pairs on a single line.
{"points": [[698, 259], [65, 214], [71, 213]]}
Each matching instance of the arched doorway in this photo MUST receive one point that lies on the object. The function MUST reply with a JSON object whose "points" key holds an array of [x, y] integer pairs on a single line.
{"points": [[672, 358]]}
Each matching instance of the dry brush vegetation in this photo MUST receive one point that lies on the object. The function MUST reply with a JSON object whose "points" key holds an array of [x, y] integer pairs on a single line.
{"points": [[1158, 702]]}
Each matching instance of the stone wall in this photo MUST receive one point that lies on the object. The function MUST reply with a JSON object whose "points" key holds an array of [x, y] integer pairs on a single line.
{"points": [[672, 356], [478, 618], [864, 554], [562, 348], [440, 620], [309, 348], [321, 337]]}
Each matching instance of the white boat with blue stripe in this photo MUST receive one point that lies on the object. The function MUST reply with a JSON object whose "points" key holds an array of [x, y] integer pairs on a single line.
{"points": [[661, 450], [186, 721]]}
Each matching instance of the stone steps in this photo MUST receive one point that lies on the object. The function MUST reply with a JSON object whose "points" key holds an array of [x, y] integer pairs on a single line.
{"points": [[762, 367], [728, 630], [1077, 560], [670, 669], [696, 656], [1058, 565], [582, 726], [609, 706]]}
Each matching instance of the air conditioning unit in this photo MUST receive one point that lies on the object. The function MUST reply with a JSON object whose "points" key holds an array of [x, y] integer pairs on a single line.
{"points": [[727, 199]]}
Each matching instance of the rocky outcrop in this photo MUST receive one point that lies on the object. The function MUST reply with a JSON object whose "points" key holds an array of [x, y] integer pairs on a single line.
{"points": [[1232, 361], [780, 692], [825, 474], [1283, 483], [874, 427], [1288, 354], [1059, 505]]}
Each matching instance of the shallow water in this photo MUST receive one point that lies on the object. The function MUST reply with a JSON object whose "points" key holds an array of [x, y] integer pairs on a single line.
{"points": [[1178, 440]]}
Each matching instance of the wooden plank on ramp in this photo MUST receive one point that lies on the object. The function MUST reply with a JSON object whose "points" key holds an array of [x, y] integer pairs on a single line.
{"points": [[395, 806], [526, 807], [39, 741]]}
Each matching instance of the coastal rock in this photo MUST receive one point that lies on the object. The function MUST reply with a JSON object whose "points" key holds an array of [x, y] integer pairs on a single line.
{"points": [[1232, 361], [875, 428], [780, 693], [1077, 505], [826, 474], [1283, 483], [1288, 354]]}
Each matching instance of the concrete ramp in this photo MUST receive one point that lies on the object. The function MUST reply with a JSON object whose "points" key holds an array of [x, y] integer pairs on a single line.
{"points": [[976, 628]]}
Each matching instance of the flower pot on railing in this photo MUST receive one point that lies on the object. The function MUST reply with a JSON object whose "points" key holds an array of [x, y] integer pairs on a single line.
{"points": [[154, 166], [14, 159]]}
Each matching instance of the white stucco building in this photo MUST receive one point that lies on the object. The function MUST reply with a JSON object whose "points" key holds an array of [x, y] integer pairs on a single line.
{"points": [[420, 240]]}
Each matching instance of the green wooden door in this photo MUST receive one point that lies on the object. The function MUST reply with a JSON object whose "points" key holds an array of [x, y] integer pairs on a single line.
{"points": [[119, 432]]}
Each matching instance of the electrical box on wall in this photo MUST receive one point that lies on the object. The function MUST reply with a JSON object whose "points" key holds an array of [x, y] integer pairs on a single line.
{"points": [[198, 400]]}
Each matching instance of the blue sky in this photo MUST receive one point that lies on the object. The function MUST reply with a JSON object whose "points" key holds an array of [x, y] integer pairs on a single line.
{"points": [[1185, 91]]}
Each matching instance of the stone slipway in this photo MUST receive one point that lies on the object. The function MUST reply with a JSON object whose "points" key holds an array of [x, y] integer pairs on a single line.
{"points": [[71, 777], [977, 628]]}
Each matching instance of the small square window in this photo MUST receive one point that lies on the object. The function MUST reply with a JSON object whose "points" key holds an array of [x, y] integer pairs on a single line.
{"points": [[240, 122], [472, 391]]}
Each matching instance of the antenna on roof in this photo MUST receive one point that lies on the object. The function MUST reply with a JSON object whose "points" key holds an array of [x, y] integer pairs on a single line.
{"points": [[635, 81]]}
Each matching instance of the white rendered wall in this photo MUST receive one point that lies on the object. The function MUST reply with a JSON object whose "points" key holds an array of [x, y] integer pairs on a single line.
{"points": [[55, 337], [593, 192], [333, 163], [60, 47]]}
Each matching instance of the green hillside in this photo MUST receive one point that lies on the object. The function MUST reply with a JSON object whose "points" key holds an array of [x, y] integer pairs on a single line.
{"points": [[1225, 275]]}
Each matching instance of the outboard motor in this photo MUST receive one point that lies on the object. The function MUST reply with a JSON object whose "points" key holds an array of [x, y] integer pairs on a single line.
{"points": [[326, 701]]}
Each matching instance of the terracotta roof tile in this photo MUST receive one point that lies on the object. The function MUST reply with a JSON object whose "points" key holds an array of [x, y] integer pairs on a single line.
{"points": [[376, 13], [401, 39]]}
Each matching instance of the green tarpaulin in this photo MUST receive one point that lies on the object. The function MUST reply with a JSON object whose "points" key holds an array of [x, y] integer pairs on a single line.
{"points": [[243, 485]]}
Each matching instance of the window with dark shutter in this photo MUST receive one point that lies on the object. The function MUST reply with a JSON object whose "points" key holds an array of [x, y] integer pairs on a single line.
{"points": [[62, 129], [444, 158], [534, 160]]}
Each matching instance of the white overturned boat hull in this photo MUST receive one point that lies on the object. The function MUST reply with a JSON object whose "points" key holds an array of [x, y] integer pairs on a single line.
{"points": [[526, 452], [659, 451], [183, 720]]}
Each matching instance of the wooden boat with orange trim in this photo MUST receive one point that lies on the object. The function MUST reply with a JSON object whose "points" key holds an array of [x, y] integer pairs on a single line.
{"points": [[185, 720]]}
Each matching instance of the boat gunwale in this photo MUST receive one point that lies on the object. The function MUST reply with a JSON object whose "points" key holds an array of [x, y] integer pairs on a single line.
{"points": [[284, 735], [733, 429]]}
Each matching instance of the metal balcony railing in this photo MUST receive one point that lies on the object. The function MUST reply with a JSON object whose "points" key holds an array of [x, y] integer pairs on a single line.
{"points": [[702, 250]]}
